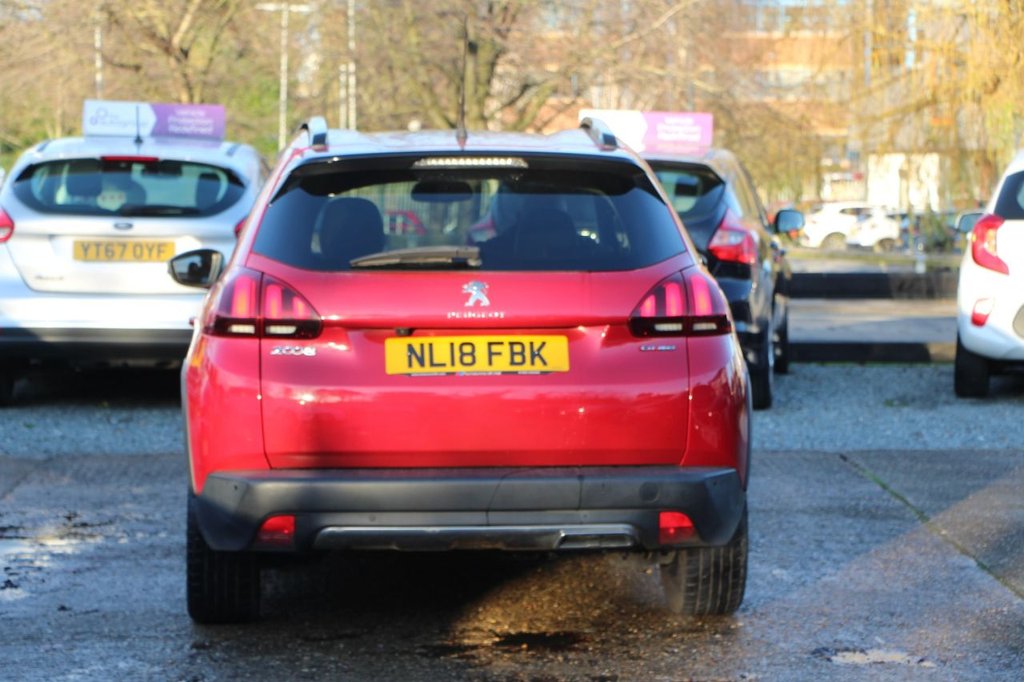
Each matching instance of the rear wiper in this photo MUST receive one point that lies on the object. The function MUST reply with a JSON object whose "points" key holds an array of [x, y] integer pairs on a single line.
{"points": [[156, 209], [422, 257]]}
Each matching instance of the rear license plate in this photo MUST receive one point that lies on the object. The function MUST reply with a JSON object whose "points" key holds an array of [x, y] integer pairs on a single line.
{"points": [[123, 250], [476, 355]]}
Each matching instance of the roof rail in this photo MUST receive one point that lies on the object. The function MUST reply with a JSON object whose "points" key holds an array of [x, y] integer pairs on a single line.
{"points": [[316, 128], [599, 132]]}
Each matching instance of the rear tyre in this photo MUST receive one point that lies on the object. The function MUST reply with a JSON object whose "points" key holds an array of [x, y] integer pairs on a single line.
{"points": [[707, 581], [782, 346], [836, 241], [221, 587], [761, 373], [970, 373]]}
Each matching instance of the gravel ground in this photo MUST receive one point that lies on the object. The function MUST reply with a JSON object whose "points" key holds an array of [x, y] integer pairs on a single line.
{"points": [[839, 408], [828, 408]]}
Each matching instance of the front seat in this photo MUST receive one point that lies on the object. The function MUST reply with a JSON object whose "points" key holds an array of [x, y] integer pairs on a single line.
{"points": [[350, 228]]}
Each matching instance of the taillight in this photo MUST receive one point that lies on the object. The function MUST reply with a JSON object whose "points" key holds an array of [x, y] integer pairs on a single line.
{"points": [[249, 303], [6, 226], [984, 249], [982, 309], [733, 242], [239, 226], [277, 531], [674, 528], [685, 304]]}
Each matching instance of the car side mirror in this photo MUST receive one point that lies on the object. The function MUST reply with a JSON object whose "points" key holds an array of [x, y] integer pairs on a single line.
{"points": [[788, 220], [965, 223], [199, 268]]}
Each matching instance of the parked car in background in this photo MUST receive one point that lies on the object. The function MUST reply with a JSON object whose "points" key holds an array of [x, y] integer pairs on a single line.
{"points": [[571, 383], [836, 225], [87, 225], [717, 202], [990, 290]]}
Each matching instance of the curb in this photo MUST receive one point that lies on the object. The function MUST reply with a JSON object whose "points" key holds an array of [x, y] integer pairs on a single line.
{"points": [[849, 351], [900, 285]]}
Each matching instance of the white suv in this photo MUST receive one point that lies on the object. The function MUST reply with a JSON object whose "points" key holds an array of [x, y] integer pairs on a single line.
{"points": [[990, 295], [837, 224]]}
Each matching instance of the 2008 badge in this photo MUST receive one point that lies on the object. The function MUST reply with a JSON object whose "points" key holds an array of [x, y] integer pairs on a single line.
{"points": [[306, 351]]}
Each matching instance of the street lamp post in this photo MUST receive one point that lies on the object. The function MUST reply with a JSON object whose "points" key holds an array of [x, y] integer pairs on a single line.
{"points": [[285, 8]]}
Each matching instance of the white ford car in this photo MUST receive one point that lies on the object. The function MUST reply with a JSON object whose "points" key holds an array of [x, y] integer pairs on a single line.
{"points": [[87, 225], [990, 294]]}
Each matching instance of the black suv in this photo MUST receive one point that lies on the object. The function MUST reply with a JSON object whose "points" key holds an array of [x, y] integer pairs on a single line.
{"points": [[715, 197]]}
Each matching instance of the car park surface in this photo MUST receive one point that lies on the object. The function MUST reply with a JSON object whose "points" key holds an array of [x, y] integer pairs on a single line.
{"points": [[717, 202], [886, 544], [571, 382], [86, 227]]}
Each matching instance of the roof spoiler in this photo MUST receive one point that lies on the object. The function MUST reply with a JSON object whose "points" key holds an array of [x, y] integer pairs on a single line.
{"points": [[599, 132]]}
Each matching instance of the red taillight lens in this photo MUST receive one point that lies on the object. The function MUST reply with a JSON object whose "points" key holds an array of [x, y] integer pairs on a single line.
{"points": [[984, 249], [733, 242], [685, 304], [277, 531], [6, 226], [982, 309], [674, 528], [286, 313], [239, 226], [249, 303]]}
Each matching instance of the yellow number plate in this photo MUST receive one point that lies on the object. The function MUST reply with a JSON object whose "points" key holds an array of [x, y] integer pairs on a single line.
{"points": [[476, 355], [123, 250]]}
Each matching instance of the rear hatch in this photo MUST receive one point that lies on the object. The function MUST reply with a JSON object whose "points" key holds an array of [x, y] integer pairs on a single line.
{"points": [[424, 349], [110, 225]]}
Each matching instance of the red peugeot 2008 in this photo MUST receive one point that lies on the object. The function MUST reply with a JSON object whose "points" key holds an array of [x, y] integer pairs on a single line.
{"points": [[572, 383]]}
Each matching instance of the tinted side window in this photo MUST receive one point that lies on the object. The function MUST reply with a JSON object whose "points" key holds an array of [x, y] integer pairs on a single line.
{"points": [[128, 187], [542, 218], [1010, 203]]}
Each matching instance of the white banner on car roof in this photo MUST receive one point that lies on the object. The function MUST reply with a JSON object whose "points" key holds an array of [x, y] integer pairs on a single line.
{"points": [[145, 119], [658, 131]]}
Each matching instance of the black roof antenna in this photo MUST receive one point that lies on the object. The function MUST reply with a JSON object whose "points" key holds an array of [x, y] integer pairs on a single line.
{"points": [[460, 123], [138, 126]]}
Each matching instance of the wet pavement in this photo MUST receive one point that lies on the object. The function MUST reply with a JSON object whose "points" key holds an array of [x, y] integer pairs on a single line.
{"points": [[895, 563]]}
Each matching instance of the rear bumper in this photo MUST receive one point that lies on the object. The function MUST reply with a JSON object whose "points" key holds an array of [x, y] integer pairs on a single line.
{"points": [[443, 509], [94, 346]]}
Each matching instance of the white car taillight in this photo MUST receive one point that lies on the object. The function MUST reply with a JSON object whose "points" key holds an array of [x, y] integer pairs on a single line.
{"points": [[6, 226]]}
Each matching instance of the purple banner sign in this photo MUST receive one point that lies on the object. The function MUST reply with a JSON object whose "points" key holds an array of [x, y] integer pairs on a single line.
{"points": [[121, 119], [677, 132], [189, 120]]}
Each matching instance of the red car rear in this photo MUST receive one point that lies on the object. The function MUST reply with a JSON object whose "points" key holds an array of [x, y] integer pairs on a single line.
{"points": [[572, 383]]}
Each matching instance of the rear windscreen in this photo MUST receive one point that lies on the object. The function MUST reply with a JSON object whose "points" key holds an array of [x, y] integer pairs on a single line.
{"points": [[546, 216], [1010, 204], [128, 187]]}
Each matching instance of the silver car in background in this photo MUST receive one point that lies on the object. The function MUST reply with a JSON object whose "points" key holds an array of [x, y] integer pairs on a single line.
{"points": [[87, 225]]}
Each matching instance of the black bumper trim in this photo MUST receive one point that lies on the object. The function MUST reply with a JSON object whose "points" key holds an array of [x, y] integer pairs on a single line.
{"points": [[93, 345], [232, 505]]}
